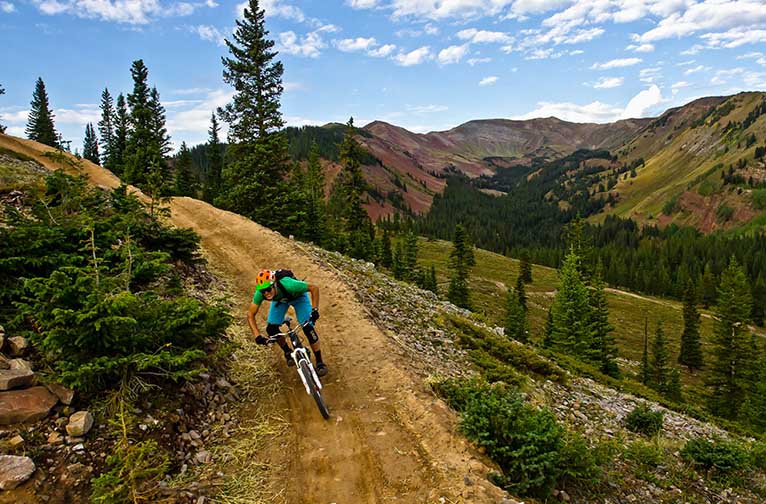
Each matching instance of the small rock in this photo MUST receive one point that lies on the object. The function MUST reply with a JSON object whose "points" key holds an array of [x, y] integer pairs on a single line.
{"points": [[20, 363], [203, 457], [16, 441], [468, 481], [17, 346], [55, 438], [78, 447], [27, 405], [564, 496], [14, 471], [16, 378], [65, 395], [79, 423]]}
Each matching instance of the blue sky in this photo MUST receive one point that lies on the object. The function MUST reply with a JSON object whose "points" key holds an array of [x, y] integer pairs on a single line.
{"points": [[422, 64]]}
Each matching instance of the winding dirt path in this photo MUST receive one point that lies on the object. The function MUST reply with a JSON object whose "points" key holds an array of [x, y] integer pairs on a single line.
{"points": [[388, 439]]}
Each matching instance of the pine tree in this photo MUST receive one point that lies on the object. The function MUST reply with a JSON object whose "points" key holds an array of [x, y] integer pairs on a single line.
{"points": [[571, 324], [644, 371], [142, 150], [397, 266], [184, 182], [314, 184], [106, 128], [411, 255], [90, 145], [525, 267], [159, 130], [2, 92], [604, 347], [431, 281], [214, 162], [578, 241], [759, 301], [708, 287], [674, 390], [659, 360], [387, 257], [548, 331], [254, 178], [40, 127], [731, 365], [691, 352], [121, 130], [756, 404], [461, 260], [521, 292], [516, 325]]}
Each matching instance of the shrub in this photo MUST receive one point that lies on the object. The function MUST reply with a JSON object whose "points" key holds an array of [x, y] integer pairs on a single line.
{"points": [[721, 455], [724, 213], [758, 455], [645, 454], [644, 421], [759, 199]]}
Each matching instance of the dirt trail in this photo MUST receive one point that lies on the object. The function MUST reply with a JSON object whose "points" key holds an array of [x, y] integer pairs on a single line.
{"points": [[388, 439]]}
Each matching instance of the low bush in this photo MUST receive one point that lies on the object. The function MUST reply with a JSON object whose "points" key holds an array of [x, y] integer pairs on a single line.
{"points": [[644, 453], [758, 455], [722, 455], [643, 420]]}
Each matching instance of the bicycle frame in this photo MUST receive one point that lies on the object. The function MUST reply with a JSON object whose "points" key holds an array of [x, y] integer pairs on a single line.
{"points": [[299, 353]]}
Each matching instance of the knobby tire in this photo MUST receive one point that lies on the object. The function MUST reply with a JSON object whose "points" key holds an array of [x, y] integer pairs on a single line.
{"points": [[315, 390]]}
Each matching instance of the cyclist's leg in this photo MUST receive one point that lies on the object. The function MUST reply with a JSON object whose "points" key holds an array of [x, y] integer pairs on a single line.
{"points": [[302, 307], [277, 312]]}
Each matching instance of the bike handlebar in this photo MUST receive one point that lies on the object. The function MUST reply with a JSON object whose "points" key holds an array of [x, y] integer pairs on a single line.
{"points": [[273, 338]]}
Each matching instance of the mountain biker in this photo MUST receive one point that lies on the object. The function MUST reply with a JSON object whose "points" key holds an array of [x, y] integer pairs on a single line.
{"points": [[283, 293]]}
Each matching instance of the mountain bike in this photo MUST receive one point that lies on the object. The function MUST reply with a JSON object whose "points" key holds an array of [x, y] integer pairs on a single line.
{"points": [[303, 364]]}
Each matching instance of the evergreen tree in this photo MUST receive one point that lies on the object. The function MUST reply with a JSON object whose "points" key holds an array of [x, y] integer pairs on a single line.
{"points": [[431, 281], [121, 130], [214, 162], [644, 372], [759, 301], [708, 287], [386, 257], [106, 128], [159, 130], [604, 347], [2, 92], [659, 360], [461, 260], [691, 352], [578, 241], [90, 145], [254, 178], [521, 292], [525, 267], [314, 184], [40, 127], [731, 365], [548, 331], [674, 390], [184, 181], [411, 255], [398, 264], [756, 405], [142, 150], [571, 324], [516, 325]]}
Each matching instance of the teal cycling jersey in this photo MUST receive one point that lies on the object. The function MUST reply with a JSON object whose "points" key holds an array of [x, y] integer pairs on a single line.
{"points": [[288, 289]]}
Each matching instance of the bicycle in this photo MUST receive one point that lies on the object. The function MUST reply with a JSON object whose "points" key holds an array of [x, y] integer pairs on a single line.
{"points": [[303, 364]]}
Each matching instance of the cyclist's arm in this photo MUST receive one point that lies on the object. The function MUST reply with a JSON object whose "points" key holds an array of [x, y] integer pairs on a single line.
{"points": [[251, 312], [314, 293]]}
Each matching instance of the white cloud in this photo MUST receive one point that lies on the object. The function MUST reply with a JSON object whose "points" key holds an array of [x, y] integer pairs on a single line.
{"points": [[416, 57], [723, 76], [7, 7], [608, 82], [357, 44], [521, 8], [736, 37], [595, 112], [483, 36], [443, 9], [190, 91], [309, 46], [650, 75], [191, 124], [292, 86], [538, 54], [210, 33], [362, 4], [382, 51], [642, 48], [616, 63], [642, 102], [686, 63], [488, 81], [137, 12], [277, 8], [754, 54], [477, 61], [81, 116], [697, 69], [692, 50], [431, 29], [452, 54], [680, 84], [708, 15], [426, 109], [576, 52]]}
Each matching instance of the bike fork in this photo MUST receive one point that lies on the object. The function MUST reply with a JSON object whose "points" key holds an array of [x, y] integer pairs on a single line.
{"points": [[299, 355]]}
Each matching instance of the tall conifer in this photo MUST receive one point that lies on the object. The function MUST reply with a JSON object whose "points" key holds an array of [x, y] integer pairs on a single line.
{"points": [[461, 260], [254, 178], [214, 162], [644, 370], [184, 185], [604, 348], [691, 352], [121, 130], [521, 292], [40, 127], [659, 360], [525, 267], [90, 145], [758, 311], [516, 325], [143, 152], [106, 128], [571, 324], [732, 361]]}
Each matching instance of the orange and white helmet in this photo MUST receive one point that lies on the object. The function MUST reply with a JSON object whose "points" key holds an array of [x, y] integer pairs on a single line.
{"points": [[264, 279]]}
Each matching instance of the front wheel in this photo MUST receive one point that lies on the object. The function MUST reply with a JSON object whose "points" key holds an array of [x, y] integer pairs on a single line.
{"points": [[305, 369]]}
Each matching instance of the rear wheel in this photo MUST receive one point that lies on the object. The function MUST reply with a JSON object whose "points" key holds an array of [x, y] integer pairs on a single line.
{"points": [[314, 388]]}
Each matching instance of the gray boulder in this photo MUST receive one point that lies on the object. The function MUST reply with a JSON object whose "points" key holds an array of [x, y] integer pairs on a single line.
{"points": [[14, 471], [79, 424], [17, 346], [15, 378]]}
